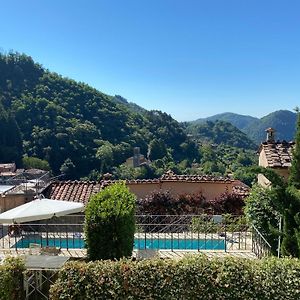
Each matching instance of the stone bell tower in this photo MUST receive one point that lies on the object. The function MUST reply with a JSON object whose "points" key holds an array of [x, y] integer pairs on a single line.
{"points": [[270, 135]]}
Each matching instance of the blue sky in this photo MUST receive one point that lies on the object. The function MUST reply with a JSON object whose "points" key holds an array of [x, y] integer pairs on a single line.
{"points": [[189, 58]]}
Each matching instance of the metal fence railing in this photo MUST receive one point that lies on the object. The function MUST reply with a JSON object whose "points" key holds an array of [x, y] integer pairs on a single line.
{"points": [[67, 236], [163, 232], [192, 232], [260, 246]]}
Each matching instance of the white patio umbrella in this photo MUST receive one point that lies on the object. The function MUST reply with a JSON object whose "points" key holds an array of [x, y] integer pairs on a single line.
{"points": [[40, 209]]}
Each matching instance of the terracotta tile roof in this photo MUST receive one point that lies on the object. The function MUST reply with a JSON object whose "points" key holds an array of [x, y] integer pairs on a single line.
{"points": [[133, 181], [278, 154], [77, 191], [241, 190], [195, 178], [80, 191], [170, 176]]}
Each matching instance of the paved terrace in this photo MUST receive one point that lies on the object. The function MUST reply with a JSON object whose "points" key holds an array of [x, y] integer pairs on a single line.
{"points": [[164, 254]]}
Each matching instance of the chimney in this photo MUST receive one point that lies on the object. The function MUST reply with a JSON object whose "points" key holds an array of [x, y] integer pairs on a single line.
{"points": [[270, 135], [136, 157]]}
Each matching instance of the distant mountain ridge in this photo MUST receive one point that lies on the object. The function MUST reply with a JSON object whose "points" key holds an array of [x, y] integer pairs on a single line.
{"points": [[239, 121], [283, 121]]}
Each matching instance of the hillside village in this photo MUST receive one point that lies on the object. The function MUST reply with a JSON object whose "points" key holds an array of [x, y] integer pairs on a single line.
{"points": [[28, 183], [149, 150], [186, 196], [101, 178]]}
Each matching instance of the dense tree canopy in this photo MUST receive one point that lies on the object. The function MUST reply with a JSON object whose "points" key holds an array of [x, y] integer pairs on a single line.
{"points": [[10, 138], [220, 132], [62, 119], [82, 132]]}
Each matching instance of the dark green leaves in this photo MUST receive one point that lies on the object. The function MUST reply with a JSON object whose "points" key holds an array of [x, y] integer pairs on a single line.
{"points": [[110, 223]]}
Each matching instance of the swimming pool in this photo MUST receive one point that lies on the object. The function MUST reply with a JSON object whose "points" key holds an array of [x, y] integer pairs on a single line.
{"points": [[180, 244], [139, 243]]}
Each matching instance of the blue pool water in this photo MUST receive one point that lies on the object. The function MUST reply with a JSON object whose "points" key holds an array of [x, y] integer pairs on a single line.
{"points": [[176, 244], [188, 244]]}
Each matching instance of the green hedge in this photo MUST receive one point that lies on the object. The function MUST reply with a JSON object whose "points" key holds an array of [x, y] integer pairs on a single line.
{"points": [[194, 277], [11, 279]]}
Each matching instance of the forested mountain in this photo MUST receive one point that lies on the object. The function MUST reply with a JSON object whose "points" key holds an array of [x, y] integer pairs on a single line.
{"points": [[224, 148], [76, 128], [282, 120], [239, 121], [54, 121], [220, 132]]}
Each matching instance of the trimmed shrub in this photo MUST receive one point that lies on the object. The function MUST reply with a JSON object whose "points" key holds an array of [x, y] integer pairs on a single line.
{"points": [[11, 279], [195, 277], [110, 223]]}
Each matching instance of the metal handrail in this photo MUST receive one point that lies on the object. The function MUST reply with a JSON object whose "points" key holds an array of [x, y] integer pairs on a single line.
{"points": [[260, 245], [261, 236]]}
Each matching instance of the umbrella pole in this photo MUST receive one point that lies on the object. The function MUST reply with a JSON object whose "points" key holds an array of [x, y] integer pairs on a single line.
{"points": [[47, 238]]}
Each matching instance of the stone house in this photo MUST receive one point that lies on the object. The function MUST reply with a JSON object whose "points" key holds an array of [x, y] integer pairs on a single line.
{"points": [[276, 155], [137, 159], [7, 171], [13, 196], [10, 167]]}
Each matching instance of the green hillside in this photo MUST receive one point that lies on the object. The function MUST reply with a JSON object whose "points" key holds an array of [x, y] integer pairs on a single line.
{"points": [[77, 128], [220, 132], [54, 121], [224, 148], [132, 106]]}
